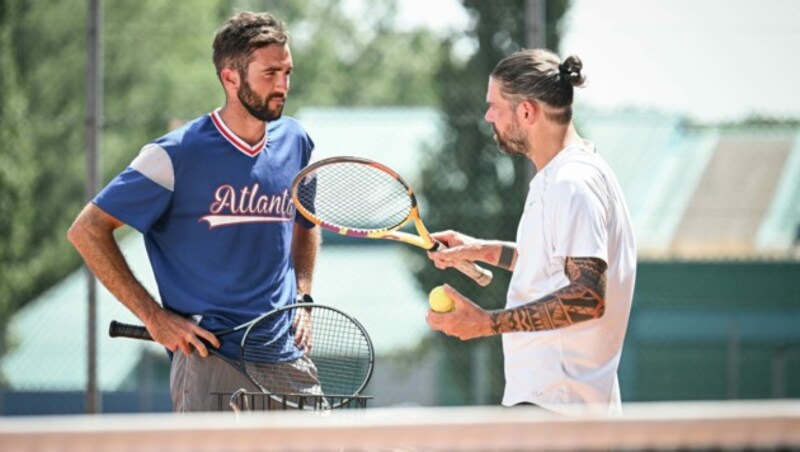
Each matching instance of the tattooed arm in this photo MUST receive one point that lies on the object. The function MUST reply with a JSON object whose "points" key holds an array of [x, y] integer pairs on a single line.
{"points": [[581, 300]]}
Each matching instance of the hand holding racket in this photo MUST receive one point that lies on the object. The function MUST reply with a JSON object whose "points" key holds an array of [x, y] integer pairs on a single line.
{"points": [[358, 197], [342, 356], [457, 247], [303, 330]]}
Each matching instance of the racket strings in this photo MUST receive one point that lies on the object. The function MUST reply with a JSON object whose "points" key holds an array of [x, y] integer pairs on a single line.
{"points": [[339, 363], [355, 195]]}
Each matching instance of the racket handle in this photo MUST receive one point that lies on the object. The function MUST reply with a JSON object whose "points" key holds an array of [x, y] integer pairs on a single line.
{"points": [[118, 329], [478, 274]]}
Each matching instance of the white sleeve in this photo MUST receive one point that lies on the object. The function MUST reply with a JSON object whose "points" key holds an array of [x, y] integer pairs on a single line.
{"points": [[581, 220]]}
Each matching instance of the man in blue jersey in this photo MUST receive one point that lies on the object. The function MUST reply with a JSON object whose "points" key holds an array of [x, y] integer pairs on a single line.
{"points": [[212, 200]]}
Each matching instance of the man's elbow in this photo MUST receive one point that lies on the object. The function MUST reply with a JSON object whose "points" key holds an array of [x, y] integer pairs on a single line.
{"points": [[594, 302], [601, 307], [76, 231], [88, 225]]}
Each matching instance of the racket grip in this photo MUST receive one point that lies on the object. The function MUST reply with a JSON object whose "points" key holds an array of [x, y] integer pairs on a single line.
{"points": [[477, 273], [118, 329]]}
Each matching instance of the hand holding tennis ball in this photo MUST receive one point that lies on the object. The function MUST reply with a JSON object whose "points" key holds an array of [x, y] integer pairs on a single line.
{"points": [[439, 301], [456, 315]]}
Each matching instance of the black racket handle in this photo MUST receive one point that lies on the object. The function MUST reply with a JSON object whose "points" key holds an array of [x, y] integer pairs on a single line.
{"points": [[478, 274], [118, 329]]}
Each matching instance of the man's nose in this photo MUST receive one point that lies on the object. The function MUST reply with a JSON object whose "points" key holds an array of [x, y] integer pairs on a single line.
{"points": [[282, 86]]}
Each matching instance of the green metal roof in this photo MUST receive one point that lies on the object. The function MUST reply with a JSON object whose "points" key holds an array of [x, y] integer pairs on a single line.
{"points": [[50, 334]]}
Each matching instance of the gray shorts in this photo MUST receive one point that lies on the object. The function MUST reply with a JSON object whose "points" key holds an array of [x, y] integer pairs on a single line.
{"points": [[196, 382]]}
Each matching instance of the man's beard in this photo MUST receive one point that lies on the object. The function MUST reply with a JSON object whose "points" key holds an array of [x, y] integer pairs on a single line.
{"points": [[512, 143], [256, 107]]}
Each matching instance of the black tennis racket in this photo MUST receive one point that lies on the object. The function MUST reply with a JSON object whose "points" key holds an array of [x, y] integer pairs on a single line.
{"points": [[340, 356], [358, 197]]}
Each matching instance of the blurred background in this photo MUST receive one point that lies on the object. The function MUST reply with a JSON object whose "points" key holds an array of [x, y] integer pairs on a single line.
{"points": [[693, 103]]}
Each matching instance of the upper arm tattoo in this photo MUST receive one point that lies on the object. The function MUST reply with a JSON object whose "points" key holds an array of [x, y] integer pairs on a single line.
{"points": [[581, 300]]}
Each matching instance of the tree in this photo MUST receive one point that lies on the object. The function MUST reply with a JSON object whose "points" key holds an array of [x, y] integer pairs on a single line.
{"points": [[340, 60], [17, 213], [469, 186]]}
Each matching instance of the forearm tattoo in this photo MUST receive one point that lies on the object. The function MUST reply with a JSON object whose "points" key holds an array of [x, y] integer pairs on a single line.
{"points": [[581, 300], [507, 255]]}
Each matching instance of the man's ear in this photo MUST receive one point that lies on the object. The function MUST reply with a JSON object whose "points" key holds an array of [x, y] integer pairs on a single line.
{"points": [[230, 78], [528, 110]]}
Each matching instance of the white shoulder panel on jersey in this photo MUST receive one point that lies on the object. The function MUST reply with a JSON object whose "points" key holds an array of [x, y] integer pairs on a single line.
{"points": [[154, 163]]}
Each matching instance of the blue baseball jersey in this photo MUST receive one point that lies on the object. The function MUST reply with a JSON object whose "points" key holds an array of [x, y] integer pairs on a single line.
{"points": [[217, 217]]}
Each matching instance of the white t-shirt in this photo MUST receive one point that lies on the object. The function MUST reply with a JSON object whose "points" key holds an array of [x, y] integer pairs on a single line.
{"points": [[575, 208]]}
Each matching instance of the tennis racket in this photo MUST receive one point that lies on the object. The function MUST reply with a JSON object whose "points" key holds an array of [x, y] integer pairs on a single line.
{"points": [[339, 361], [357, 197]]}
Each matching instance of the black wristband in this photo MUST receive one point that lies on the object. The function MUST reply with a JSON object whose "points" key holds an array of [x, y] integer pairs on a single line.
{"points": [[304, 298], [506, 257]]}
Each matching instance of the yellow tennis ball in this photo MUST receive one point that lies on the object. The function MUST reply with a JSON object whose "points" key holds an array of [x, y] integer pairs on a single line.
{"points": [[439, 301]]}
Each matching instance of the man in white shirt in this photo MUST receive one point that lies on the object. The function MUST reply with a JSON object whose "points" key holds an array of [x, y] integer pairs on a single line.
{"points": [[574, 259]]}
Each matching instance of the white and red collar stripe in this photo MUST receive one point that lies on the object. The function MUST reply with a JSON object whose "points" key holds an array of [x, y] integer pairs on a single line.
{"points": [[237, 142]]}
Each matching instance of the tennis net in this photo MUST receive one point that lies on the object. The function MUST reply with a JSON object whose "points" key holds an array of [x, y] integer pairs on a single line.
{"points": [[758, 425]]}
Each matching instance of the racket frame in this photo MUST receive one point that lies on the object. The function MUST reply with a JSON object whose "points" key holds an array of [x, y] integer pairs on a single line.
{"points": [[308, 308], [423, 238], [120, 329]]}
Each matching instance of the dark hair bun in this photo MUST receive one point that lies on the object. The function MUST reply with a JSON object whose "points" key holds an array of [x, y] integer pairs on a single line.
{"points": [[570, 70]]}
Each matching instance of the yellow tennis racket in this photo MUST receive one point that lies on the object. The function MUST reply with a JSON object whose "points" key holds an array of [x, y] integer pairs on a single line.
{"points": [[358, 197]]}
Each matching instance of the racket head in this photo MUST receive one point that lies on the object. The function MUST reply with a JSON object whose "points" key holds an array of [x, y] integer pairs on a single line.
{"points": [[339, 362], [358, 197]]}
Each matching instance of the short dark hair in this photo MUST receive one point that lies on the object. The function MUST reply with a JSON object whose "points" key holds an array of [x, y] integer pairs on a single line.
{"points": [[242, 34], [539, 74]]}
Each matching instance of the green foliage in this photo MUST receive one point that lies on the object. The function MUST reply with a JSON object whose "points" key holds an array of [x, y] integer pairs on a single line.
{"points": [[470, 187], [17, 178], [37, 176], [156, 71], [341, 61]]}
